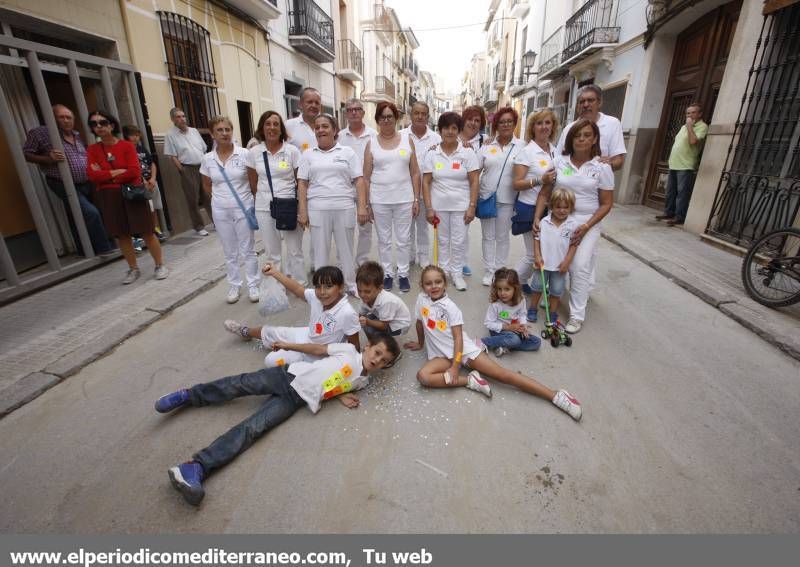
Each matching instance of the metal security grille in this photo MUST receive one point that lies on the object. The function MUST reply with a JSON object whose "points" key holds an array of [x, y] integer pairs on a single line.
{"points": [[759, 189], [191, 68]]}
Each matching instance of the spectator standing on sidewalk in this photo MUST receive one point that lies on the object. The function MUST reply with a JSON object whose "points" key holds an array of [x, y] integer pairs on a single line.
{"points": [[683, 161], [39, 150], [186, 147], [149, 173], [356, 137]]}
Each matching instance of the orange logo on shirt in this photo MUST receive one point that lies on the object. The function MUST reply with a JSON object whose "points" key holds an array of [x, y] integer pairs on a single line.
{"points": [[425, 311], [543, 163], [280, 362], [456, 165], [305, 146], [493, 151], [441, 325], [347, 371]]}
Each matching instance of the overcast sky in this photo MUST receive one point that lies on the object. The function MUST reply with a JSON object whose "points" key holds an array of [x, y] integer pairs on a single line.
{"points": [[445, 52]]}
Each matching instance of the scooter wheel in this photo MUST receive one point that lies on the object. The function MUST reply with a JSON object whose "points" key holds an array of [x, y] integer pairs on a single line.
{"points": [[554, 342], [568, 341], [544, 334]]}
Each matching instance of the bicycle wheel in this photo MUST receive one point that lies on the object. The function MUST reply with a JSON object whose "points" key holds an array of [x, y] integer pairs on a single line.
{"points": [[771, 268]]}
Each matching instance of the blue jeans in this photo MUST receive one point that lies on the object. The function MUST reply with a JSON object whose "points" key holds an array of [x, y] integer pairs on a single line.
{"points": [[370, 332], [511, 341], [679, 190], [556, 281], [91, 216], [280, 406]]}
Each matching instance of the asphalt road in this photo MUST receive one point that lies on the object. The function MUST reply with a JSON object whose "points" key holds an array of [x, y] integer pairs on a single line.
{"points": [[690, 425]]}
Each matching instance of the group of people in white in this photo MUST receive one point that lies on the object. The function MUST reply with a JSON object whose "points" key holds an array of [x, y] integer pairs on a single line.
{"points": [[402, 182]]}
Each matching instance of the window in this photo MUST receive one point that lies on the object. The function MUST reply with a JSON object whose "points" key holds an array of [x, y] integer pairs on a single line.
{"points": [[244, 109], [191, 68], [614, 100]]}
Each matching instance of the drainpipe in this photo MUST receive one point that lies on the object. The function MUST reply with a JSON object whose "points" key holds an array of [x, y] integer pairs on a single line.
{"points": [[127, 26]]}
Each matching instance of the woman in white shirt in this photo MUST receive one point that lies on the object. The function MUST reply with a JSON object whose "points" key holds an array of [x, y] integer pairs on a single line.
{"points": [[450, 189], [325, 180], [392, 174], [238, 240], [497, 158], [533, 168], [581, 170], [283, 159]]}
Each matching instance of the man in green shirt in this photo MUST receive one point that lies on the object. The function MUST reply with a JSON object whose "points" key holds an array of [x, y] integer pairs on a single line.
{"points": [[684, 159]]}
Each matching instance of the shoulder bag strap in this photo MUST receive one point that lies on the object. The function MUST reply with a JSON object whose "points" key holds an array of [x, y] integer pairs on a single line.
{"points": [[228, 181], [269, 174], [508, 155]]}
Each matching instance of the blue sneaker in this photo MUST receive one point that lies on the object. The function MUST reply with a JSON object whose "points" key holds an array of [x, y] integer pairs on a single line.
{"points": [[187, 478], [166, 404], [405, 285], [466, 270], [533, 315], [527, 289], [388, 283]]}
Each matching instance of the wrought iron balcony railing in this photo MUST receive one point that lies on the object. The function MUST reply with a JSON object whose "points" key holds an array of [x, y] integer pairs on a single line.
{"points": [[350, 61], [593, 23], [383, 86], [311, 30], [551, 52]]}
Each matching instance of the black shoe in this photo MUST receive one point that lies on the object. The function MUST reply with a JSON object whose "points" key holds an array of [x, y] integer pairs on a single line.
{"points": [[388, 283]]}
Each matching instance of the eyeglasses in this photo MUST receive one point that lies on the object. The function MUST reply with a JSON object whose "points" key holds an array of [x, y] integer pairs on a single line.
{"points": [[585, 100], [506, 123], [103, 122], [354, 110], [386, 117]]}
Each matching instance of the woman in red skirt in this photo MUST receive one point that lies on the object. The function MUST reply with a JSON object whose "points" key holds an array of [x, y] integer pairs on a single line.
{"points": [[111, 163]]}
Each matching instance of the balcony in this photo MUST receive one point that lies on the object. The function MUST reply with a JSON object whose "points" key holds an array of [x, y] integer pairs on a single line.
{"points": [[519, 8], [500, 76], [489, 97], [591, 28], [351, 66], [552, 47], [384, 88], [261, 10], [410, 68], [311, 31]]}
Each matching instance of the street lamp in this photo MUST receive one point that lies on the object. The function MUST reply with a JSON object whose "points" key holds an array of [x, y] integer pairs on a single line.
{"points": [[527, 64]]}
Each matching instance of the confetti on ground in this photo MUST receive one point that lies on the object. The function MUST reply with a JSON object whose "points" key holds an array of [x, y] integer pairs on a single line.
{"points": [[431, 467]]}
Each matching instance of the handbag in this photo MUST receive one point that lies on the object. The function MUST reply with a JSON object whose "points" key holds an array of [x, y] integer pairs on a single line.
{"points": [[487, 208], [135, 192], [250, 213], [283, 210], [522, 221]]}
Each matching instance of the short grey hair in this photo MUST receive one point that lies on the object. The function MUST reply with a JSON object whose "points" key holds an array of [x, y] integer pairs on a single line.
{"points": [[353, 100], [309, 90], [422, 103], [593, 88], [174, 111]]}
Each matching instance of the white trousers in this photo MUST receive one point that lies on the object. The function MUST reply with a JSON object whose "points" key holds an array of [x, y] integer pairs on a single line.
{"points": [[420, 237], [297, 335], [395, 218], [452, 241], [337, 225], [364, 244], [496, 238], [583, 272], [525, 264], [273, 244], [238, 242]]}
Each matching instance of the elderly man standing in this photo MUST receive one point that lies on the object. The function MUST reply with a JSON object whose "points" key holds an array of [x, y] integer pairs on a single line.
{"points": [[39, 150], [356, 136], [424, 138], [683, 161], [612, 144], [301, 128], [186, 147]]}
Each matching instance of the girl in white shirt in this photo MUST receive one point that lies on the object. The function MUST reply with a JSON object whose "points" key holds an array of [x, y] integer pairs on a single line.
{"points": [[238, 240], [325, 180], [283, 159], [439, 329], [506, 317]]}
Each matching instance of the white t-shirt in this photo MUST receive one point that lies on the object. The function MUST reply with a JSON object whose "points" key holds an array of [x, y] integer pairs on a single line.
{"points": [[282, 165], [586, 182], [333, 325], [538, 162], [612, 143], [301, 135], [421, 146], [189, 147], [438, 317], [554, 240], [450, 184], [356, 143], [339, 372], [236, 169], [390, 183], [476, 141], [388, 307], [330, 175], [499, 314], [492, 158]]}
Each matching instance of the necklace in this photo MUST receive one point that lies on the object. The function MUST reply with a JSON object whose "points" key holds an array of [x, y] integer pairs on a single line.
{"points": [[387, 137]]}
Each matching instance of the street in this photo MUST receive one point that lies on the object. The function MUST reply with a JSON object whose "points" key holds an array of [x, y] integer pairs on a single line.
{"points": [[690, 425]]}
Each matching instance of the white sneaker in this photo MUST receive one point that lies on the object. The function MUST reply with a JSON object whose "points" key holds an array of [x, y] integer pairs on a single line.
{"points": [[233, 294], [487, 279], [161, 272], [574, 326], [459, 283], [478, 383], [253, 294], [567, 403], [132, 275], [236, 327], [201, 232], [500, 351]]}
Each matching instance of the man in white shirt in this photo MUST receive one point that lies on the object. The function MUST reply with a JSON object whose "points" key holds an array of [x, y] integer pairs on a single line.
{"points": [[424, 138], [356, 136], [612, 144], [301, 129], [186, 148]]}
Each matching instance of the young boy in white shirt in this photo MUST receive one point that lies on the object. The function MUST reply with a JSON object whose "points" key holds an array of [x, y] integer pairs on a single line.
{"points": [[340, 368], [381, 312]]}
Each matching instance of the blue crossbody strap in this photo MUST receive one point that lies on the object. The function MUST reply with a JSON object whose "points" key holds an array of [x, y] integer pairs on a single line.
{"points": [[230, 186]]}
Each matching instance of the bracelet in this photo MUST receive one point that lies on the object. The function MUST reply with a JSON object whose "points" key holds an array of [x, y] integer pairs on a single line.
{"points": [[457, 357]]}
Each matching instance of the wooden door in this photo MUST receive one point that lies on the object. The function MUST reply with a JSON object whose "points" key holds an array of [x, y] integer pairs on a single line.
{"points": [[701, 53]]}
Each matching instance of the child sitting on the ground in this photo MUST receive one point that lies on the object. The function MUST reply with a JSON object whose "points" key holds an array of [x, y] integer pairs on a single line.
{"points": [[339, 369], [381, 312], [332, 319], [553, 249], [506, 317], [439, 328]]}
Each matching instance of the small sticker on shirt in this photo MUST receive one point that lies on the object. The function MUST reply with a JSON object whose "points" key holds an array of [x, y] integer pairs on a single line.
{"points": [[425, 312], [505, 314], [280, 362], [439, 165], [403, 153], [568, 171], [283, 165], [493, 151], [318, 328], [543, 163], [431, 324], [456, 165], [441, 325], [305, 146]]}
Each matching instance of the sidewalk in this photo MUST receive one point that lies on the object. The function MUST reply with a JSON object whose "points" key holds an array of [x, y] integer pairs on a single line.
{"points": [[710, 273]]}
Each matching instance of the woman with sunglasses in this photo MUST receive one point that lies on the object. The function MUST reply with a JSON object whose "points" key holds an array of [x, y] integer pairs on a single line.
{"points": [[112, 163]]}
